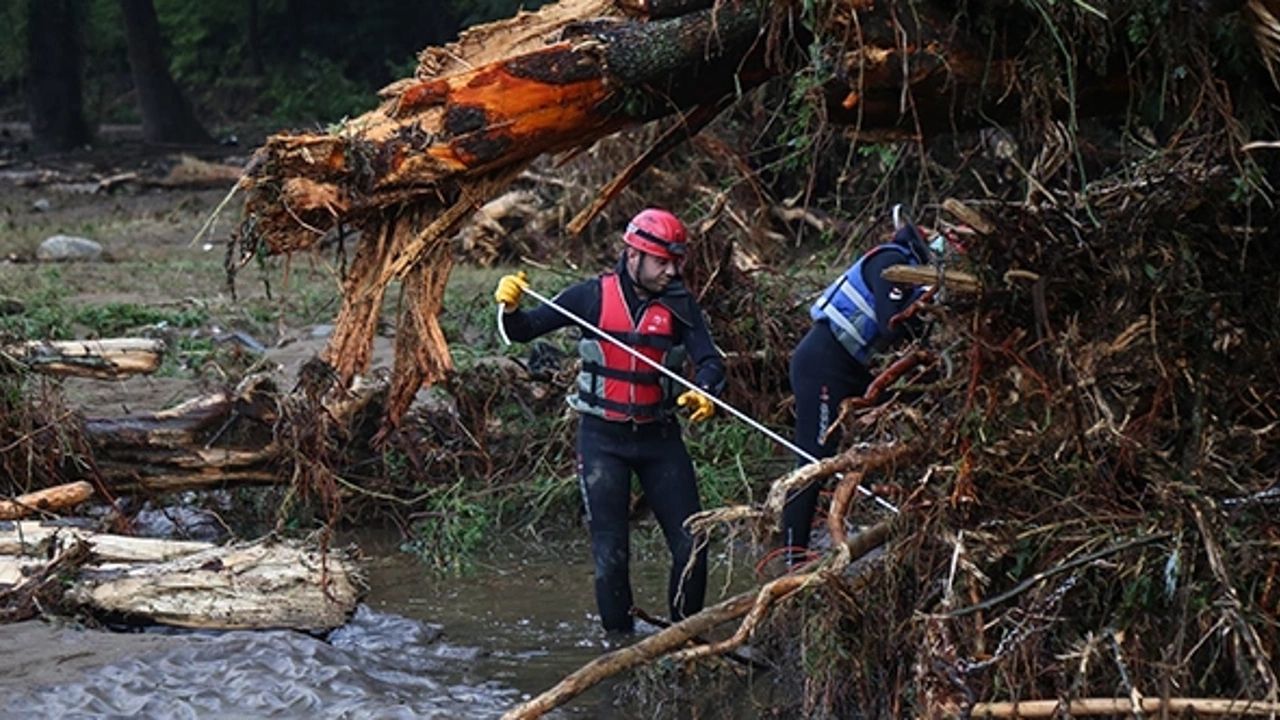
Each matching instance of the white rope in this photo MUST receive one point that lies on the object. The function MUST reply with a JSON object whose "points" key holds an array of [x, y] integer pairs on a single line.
{"points": [[660, 368]]}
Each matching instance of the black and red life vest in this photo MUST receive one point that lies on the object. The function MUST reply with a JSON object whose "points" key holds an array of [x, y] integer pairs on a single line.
{"points": [[615, 385]]}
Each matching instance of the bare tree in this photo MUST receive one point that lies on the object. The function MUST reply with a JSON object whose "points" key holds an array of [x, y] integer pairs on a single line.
{"points": [[54, 62], [167, 117]]}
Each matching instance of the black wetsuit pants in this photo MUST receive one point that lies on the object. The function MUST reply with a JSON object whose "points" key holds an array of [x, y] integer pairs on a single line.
{"points": [[608, 454], [823, 374]]}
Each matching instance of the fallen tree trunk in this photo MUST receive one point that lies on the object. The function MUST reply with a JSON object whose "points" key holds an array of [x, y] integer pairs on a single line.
{"points": [[104, 359], [174, 449], [453, 137]]}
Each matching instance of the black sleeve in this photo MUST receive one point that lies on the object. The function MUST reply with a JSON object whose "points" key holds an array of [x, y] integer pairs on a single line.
{"points": [[582, 299], [890, 298], [708, 365]]}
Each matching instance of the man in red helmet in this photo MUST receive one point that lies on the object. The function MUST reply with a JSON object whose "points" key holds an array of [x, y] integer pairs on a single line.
{"points": [[627, 409]]}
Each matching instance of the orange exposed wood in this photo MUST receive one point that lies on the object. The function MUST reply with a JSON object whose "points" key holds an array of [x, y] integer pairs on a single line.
{"points": [[54, 499]]}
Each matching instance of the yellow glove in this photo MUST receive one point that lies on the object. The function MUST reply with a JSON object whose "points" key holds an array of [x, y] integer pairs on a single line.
{"points": [[510, 289], [700, 405]]}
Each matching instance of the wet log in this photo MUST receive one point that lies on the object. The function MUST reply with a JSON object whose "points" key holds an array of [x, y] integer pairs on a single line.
{"points": [[103, 359], [34, 539], [59, 497], [253, 586]]}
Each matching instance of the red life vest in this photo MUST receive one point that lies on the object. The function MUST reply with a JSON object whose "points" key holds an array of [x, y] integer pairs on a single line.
{"points": [[612, 383]]}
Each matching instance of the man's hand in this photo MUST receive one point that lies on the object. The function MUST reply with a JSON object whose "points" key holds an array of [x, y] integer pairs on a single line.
{"points": [[510, 290], [700, 405]]}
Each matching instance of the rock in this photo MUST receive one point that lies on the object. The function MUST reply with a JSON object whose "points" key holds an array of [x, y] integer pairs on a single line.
{"points": [[66, 248], [40, 205]]}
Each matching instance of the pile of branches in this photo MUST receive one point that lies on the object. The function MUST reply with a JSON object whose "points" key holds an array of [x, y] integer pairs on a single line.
{"points": [[1085, 466], [1087, 510]]}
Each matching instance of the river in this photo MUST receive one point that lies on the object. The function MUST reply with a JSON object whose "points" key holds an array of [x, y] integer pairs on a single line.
{"points": [[421, 646]]}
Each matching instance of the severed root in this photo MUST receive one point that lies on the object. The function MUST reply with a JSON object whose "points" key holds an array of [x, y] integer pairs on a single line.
{"points": [[768, 595], [847, 489]]}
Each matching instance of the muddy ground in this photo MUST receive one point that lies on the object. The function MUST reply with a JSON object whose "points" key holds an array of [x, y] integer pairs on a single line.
{"points": [[152, 260]]}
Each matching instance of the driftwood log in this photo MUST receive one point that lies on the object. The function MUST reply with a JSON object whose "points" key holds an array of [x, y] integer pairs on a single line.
{"points": [[104, 359], [265, 584], [259, 585]]}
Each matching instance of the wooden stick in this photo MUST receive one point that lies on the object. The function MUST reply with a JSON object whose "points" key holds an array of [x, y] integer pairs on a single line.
{"points": [[968, 216], [953, 280], [1117, 706], [58, 497]]}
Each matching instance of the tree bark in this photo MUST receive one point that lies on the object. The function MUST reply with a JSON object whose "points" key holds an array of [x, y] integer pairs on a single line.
{"points": [[166, 115], [54, 63], [256, 586]]}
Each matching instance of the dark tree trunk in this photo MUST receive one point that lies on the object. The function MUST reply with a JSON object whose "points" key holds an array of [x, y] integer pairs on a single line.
{"points": [[256, 66], [166, 115], [54, 60]]}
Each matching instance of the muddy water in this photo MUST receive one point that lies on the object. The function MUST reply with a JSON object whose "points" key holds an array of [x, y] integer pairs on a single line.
{"points": [[421, 647]]}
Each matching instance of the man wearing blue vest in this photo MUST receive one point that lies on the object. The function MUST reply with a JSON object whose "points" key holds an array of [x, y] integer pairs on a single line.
{"points": [[851, 322], [627, 408]]}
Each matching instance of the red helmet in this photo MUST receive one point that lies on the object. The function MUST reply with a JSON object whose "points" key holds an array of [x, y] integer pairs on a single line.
{"points": [[658, 233]]}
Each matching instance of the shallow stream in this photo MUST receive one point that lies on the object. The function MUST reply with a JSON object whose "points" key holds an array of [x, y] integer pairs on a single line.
{"points": [[421, 646]]}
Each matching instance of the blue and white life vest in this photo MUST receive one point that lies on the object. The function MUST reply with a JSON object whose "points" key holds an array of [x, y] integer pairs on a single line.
{"points": [[849, 305]]}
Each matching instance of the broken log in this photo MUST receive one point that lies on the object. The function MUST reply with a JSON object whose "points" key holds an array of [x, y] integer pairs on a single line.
{"points": [[56, 498], [267, 584], [34, 539], [457, 134], [104, 359], [174, 449]]}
